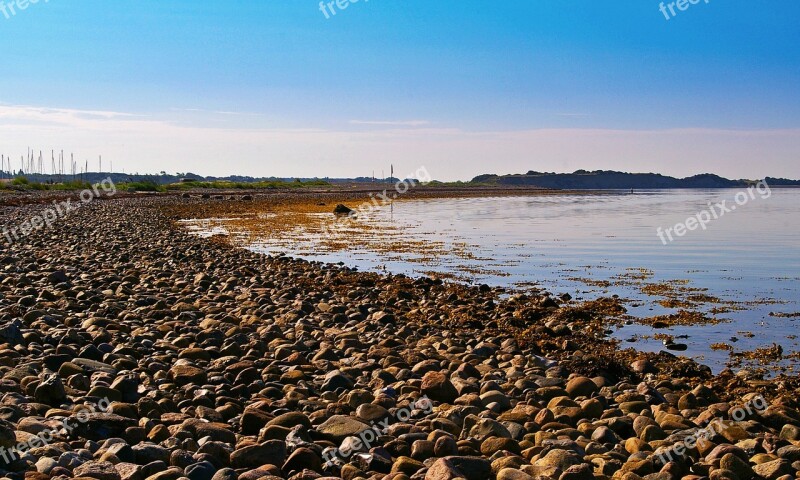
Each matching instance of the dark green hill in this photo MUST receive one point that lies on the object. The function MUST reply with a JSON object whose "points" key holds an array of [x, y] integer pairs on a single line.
{"points": [[606, 179]]}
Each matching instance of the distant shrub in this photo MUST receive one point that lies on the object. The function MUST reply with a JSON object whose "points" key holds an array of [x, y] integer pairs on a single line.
{"points": [[70, 185], [145, 186], [22, 183]]}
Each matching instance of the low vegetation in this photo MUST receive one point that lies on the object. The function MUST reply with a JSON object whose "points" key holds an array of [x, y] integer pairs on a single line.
{"points": [[228, 185], [145, 186], [22, 183]]}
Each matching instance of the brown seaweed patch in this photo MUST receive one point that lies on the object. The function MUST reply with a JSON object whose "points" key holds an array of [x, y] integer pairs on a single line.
{"points": [[784, 315], [764, 355], [683, 317], [591, 282]]}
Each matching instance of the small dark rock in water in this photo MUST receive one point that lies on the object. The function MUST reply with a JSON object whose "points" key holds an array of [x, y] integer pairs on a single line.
{"points": [[678, 347], [342, 210]]}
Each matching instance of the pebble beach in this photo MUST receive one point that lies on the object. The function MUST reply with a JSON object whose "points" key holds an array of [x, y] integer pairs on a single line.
{"points": [[134, 350]]}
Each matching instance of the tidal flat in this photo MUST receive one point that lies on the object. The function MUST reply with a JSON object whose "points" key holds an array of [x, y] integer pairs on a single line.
{"points": [[726, 295]]}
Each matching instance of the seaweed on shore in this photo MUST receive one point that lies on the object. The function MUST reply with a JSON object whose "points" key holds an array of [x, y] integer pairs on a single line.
{"points": [[575, 334]]}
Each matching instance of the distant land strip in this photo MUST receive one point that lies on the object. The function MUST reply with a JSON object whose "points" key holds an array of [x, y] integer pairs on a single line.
{"points": [[606, 179], [578, 180]]}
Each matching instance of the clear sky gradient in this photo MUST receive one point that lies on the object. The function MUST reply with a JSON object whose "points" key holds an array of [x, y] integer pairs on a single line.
{"points": [[273, 87]]}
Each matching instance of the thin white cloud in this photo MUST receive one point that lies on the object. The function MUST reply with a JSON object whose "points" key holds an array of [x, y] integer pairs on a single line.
{"points": [[247, 114], [46, 113], [391, 123], [218, 112]]}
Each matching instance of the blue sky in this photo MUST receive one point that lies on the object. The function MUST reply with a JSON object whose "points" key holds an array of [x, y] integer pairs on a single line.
{"points": [[273, 87]]}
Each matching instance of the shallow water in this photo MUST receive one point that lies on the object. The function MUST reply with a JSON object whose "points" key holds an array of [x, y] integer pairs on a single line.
{"points": [[572, 243]]}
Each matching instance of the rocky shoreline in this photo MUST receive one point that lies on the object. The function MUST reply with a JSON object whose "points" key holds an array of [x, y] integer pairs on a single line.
{"points": [[222, 364]]}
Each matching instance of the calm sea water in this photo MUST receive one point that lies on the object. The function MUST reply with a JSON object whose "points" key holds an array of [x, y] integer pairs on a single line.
{"points": [[575, 243]]}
